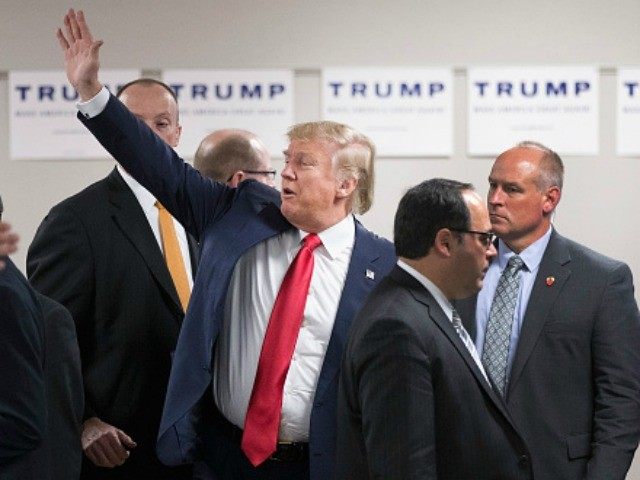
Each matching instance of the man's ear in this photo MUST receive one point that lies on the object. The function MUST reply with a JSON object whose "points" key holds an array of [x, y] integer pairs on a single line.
{"points": [[346, 187], [551, 200], [443, 242], [236, 178]]}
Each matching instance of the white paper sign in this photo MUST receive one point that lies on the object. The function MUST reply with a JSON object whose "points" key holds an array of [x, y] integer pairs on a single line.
{"points": [[557, 106], [407, 112], [43, 123], [260, 101], [628, 137]]}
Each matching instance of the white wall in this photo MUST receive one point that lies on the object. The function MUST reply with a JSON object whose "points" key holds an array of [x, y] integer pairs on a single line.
{"points": [[600, 201]]}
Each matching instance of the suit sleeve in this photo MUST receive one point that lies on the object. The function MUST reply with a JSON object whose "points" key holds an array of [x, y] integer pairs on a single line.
{"points": [[191, 198], [616, 370], [60, 266], [396, 399], [22, 390]]}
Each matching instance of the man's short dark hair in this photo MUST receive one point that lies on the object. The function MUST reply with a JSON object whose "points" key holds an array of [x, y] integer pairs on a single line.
{"points": [[1, 208], [424, 210], [147, 82], [226, 158]]}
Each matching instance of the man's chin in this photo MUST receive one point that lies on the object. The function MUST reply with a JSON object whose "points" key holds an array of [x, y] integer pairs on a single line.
{"points": [[288, 210]]}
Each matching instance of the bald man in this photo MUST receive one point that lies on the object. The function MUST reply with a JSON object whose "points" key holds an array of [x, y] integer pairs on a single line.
{"points": [[232, 155]]}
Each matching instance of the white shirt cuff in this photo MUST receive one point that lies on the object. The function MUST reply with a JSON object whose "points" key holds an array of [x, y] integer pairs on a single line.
{"points": [[94, 106]]}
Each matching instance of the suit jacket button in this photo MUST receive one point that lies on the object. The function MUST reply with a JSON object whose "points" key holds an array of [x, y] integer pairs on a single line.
{"points": [[523, 460]]}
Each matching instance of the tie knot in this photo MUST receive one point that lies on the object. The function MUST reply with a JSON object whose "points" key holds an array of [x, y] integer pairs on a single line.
{"points": [[514, 264], [311, 241]]}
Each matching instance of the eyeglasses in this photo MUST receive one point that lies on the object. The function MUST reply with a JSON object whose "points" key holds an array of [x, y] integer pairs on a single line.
{"points": [[270, 174], [485, 237]]}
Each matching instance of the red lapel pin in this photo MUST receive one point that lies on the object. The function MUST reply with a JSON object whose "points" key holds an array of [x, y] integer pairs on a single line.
{"points": [[550, 281]]}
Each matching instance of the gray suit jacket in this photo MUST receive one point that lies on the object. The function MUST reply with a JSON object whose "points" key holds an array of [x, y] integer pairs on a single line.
{"points": [[412, 403], [574, 390]]}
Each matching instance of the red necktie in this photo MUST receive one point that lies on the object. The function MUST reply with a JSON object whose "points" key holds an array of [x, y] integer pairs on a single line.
{"points": [[262, 421]]}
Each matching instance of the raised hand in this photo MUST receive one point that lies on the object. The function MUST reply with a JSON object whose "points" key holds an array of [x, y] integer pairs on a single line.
{"points": [[81, 54], [104, 444]]}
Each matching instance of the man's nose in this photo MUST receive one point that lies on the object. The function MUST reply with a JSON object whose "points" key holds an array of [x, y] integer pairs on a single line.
{"points": [[287, 171], [491, 251], [495, 196]]}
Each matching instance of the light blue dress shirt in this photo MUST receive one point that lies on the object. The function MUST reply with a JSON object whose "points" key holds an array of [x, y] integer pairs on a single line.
{"points": [[531, 256]]}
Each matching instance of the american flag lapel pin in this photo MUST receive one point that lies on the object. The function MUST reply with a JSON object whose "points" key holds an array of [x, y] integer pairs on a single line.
{"points": [[370, 274], [550, 281]]}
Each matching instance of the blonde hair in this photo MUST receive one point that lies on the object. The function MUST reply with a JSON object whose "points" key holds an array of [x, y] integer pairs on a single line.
{"points": [[354, 159]]}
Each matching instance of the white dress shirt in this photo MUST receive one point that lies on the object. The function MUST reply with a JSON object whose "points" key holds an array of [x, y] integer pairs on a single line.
{"points": [[252, 292], [95, 106], [147, 202], [447, 308]]}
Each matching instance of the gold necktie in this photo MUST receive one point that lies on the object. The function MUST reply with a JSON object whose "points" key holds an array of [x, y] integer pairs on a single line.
{"points": [[173, 255]]}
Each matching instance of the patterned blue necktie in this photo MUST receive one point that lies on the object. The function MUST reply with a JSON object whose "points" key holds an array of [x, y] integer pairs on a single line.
{"points": [[496, 341]]}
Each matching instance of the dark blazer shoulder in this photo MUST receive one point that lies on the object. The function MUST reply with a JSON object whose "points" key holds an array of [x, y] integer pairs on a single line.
{"points": [[84, 201], [582, 254], [376, 245], [258, 192]]}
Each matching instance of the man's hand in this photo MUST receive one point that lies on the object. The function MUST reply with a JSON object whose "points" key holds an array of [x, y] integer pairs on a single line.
{"points": [[104, 444], [8, 241], [81, 55]]}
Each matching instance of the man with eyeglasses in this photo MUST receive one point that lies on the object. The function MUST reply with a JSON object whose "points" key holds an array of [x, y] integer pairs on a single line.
{"points": [[231, 156], [557, 328], [414, 401]]}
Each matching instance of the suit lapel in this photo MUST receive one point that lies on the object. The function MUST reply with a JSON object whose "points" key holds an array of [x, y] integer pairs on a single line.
{"points": [[194, 253], [362, 276], [130, 218], [555, 263], [422, 295]]}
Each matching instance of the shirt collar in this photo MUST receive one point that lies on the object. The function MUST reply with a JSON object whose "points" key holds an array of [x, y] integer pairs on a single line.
{"points": [[144, 196], [338, 237], [431, 287], [531, 256]]}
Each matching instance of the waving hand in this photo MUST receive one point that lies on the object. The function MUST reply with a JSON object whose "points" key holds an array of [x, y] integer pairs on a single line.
{"points": [[81, 54]]}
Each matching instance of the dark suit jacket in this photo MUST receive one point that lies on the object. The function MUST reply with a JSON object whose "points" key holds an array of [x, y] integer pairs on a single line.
{"points": [[412, 402], [23, 411], [228, 222], [96, 254], [61, 450], [574, 389]]}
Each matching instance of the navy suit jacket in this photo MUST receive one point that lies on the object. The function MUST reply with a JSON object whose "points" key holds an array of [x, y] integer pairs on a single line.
{"points": [[574, 389], [23, 404], [227, 222]]}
